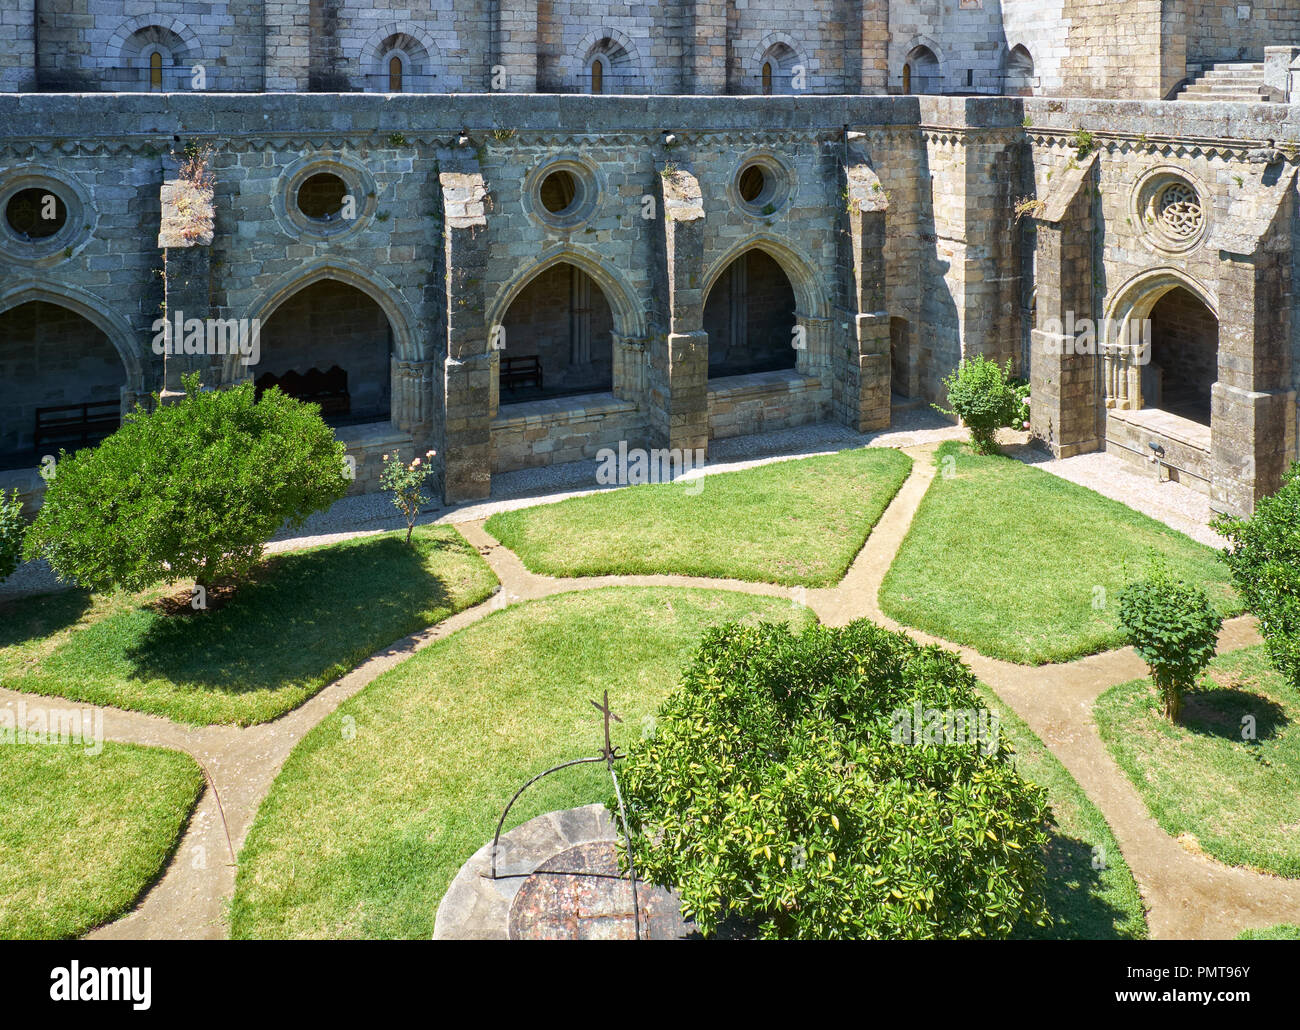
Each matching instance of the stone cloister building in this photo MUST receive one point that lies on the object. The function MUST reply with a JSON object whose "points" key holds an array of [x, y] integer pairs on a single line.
{"points": [[522, 278]]}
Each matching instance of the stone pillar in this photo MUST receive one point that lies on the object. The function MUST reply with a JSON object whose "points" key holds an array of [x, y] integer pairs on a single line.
{"points": [[467, 377], [414, 399], [1278, 62], [515, 47], [707, 46], [679, 398], [288, 45], [185, 236], [873, 71], [580, 317], [1065, 406], [860, 361], [629, 368]]}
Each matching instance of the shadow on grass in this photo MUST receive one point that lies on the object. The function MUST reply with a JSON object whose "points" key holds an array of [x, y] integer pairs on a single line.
{"points": [[36, 616], [301, 615], [1074, 895], [1219, 711]]}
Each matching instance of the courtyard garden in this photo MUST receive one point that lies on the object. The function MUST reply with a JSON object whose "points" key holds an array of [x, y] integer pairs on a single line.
{"points": [[83, 834], [1028, 567], [798, 523]]}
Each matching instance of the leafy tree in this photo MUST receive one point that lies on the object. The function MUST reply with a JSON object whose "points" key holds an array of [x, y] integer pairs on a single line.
{"points": [[983, 395], [1174, 629], [1264, 559], [12, 529], [793, 787], [189, 490]]}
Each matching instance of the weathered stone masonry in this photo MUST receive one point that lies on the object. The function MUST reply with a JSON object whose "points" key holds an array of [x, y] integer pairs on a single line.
{"points": [[893, 220]]}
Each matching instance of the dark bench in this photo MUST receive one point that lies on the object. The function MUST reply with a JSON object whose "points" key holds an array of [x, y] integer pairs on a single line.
{"points": [[521, 371], [77, 425], [328, 389]]}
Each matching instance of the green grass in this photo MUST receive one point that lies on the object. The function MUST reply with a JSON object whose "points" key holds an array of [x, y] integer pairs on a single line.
{"points": [[1281, 932], [304, 619], [361, 837], [83, 835], [798, 523], [1233, 799], [1086, 903], [1022, 565]]}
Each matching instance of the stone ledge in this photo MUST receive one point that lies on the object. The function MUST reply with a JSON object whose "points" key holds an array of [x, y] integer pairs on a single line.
{"points": [[762, 382]]}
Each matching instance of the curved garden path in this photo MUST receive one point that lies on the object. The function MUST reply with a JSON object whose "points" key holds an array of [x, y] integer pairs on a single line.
{"points": [[1189, 896]]}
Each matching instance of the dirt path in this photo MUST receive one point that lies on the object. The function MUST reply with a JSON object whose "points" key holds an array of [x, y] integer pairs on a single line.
{"points": [[1188, 895]]}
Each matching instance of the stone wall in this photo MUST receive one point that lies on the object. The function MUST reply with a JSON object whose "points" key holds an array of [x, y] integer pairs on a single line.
{"points": [[564, 429], [1229, 30], [765, 402]]}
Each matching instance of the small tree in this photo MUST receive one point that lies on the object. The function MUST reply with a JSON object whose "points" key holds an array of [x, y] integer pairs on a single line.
{"points": [[192, 489], [407, 482], [982, 395], [1174, 629], [12, 530], [807, 786], [1264, 559]]}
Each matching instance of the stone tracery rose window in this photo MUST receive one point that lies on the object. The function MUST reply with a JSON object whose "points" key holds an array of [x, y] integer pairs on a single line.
{"points": [[1179, 210]]}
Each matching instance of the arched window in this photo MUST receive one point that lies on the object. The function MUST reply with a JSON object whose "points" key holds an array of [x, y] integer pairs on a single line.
{"points": [[155, 70], [907, 79], [767, 78], [606, 67], [597, 76], [780, 70], [1020, 73], [394, 74], [921, 72]]}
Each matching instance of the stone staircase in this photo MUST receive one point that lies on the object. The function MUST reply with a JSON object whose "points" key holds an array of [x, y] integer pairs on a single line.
{"points": [[1238, 82]]}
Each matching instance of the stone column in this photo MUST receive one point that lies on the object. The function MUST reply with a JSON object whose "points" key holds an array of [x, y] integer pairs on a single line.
{"points": [[860, 359], [874, 61], [414, 399], [1065, 406], [185, 236], [629, 367], [515, 47], [707, 46], [679, 402], [288, 45], [467, 456]]}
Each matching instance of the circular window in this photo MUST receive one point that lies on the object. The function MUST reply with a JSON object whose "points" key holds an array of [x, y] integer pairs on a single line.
{"points": [[559, 192], [36, 214], [321, 197], [562, 194], [1168, 208], [761, 186], [1179, 210]]}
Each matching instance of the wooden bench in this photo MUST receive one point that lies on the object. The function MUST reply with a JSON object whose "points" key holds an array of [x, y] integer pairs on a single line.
{"points": [[521, 371], [78, 425], [328, 389]]}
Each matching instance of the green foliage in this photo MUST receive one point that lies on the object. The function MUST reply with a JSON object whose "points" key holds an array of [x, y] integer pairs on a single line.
{"points": [[1264, 559], [12, 530], [1174, 629], [778, 793], [406, 483], [191, 489], [981, 393], [1084, 143], [1021, 388]]}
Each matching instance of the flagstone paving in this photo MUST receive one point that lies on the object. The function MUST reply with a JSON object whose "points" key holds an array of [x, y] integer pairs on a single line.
{"points": [[1188, 895]]}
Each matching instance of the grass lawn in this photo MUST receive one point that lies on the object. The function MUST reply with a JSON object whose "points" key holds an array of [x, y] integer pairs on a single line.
{"points": [[301, 621], [361, 837], [798, 523], [1025, 566], [82, 836], [1085, 903], [1281, 932], [1233, 799]]}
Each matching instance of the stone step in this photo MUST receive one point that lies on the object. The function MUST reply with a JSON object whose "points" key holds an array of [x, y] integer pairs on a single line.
{"points": [[1224, 98]]}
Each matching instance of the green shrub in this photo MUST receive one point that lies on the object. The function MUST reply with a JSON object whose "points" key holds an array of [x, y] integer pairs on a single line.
{"points": [[1264, 559], [782, 790], [12, 530], [406, 482], [190, 490], [1174, 629], [982, 395]]}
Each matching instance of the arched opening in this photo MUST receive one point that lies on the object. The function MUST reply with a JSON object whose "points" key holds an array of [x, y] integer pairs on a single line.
{"points": [[1020, 73], [398, 63], [749, 316], [151, 60], [921, 72], [1184, 356], [608, 67], [394, 74], [61, 382], [777, 69], [331, 344], [556, 338], [155, 70]]}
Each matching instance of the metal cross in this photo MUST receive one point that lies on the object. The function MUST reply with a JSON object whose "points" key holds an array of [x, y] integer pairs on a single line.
{"points": [[610, 753]]}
